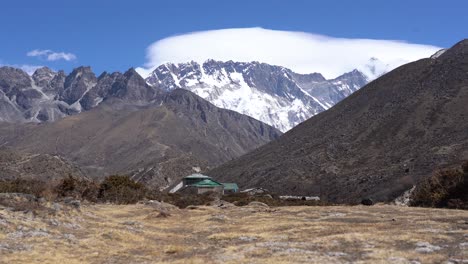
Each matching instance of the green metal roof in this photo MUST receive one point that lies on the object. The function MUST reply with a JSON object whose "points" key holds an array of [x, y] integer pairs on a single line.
{"points": [[206, 183], [197, 176], [230, 186]]}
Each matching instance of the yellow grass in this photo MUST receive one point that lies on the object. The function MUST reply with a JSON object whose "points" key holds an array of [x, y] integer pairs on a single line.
{"points": [[134, 234]]}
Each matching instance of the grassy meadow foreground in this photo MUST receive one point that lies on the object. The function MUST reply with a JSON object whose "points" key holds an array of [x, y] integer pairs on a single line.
{"points": [[154, 232]]}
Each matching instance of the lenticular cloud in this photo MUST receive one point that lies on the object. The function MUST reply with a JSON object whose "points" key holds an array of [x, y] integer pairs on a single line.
{"points": [[299, 51]]}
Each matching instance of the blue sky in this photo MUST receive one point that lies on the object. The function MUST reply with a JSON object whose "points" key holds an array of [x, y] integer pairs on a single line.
{"points": [[113, 35]]}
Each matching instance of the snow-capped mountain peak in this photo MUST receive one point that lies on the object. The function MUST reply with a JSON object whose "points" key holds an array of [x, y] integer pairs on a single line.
{"points": [[272, 94]]}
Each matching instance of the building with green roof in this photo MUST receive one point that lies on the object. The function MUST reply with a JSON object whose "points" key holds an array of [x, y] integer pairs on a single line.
{"points": [[230, 188], [198, 183]]}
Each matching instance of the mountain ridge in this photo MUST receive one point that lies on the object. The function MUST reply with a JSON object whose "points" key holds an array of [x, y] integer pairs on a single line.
{"points": [[47, 96], [273, 94], [155, 142], [377, 143]]}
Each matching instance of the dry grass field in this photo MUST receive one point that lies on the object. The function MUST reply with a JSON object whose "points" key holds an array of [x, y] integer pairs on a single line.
{"points": [[107, 233]]}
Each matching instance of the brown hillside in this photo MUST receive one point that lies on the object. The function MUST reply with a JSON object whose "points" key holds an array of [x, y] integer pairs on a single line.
{"points": [[376, 143], [158, 143]]}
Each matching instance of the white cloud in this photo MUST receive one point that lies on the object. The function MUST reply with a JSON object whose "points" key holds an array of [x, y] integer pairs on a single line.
{"points": [[51, 55], [299, 51]]}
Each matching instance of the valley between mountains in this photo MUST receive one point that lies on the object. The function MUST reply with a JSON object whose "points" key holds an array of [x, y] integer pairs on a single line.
{"points": [[232, 132], [225, 119]]}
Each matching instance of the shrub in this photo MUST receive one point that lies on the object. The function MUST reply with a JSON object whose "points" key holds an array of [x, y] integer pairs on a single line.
{"points": [[27, 186], [445, 188], [121, 190], [22, 194], [465, 167], [182, 200], [77, 188], [21, 202]]}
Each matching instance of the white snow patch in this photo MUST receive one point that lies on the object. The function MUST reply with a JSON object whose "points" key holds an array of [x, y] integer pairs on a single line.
{"points": [[438, 53]]}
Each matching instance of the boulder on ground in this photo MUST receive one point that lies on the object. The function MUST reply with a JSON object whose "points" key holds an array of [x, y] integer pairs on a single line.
{"points": [[255, 191], [258, 204], [70, 201], [221, 204], [160, 206], [367, 201]]}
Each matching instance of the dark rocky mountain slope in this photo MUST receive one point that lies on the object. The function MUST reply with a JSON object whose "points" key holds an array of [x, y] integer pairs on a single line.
{"points": [[376, 143], [42, 167], [157, 142], [47, 96], [272, 94]]}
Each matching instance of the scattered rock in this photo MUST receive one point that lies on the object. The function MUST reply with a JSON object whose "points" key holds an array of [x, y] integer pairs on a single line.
{"points": [[108, 235], [3, 222], [337, 254], [33, 233], [131, 223], [69, 237], [274, 244], [336, 214], [56, 207], [133, 226], [247, 238], [15, 247], [405, 198], [22, 228], [162, 209], [29, 214], [158, 214], [161, 206], [220, 203], [72, 202], [303, 198], [225, 205], [218, 218], [425, 247], [18, 197], [367, 201], [432, 230], [72, 226], [20, 202], [368, 245], [401, 260], [255, 191], [456, 261], [258, 204], [163, 214], [54, 222]]}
